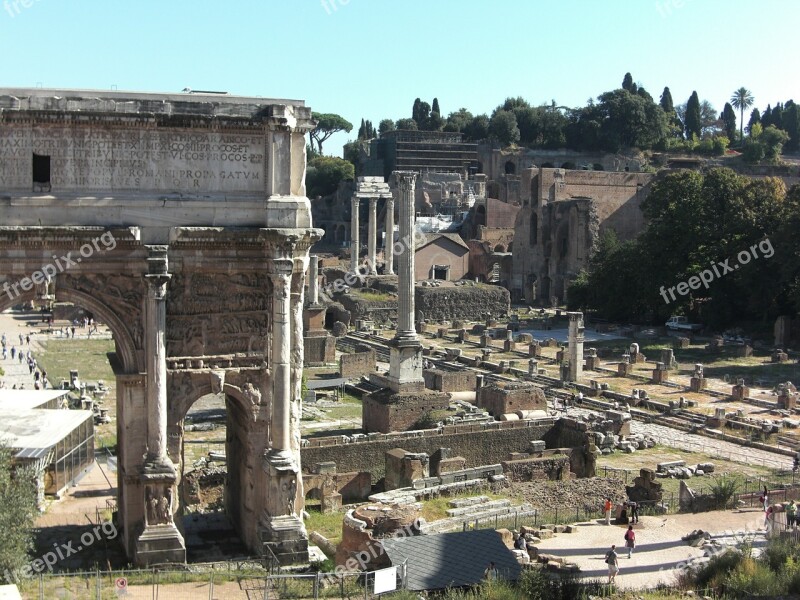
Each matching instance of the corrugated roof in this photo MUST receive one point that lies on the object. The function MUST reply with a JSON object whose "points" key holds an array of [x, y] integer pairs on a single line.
{"points": [[445, 560]]}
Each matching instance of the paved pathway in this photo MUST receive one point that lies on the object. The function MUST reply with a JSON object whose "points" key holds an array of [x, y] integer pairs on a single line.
{"points": [[676, 438], [660, 552]]}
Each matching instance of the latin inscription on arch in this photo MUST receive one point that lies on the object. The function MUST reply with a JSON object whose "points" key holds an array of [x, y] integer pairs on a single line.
{"points": [[89, 158]]}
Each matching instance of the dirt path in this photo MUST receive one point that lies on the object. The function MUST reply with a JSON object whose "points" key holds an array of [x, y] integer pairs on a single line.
{"points": [[660, 553]]}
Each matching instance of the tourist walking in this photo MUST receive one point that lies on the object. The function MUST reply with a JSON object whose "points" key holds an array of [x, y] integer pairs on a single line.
{"points": [[613, 563], [630, 540], [607, 509], [765, 498], [13, 352], [490, 574], [791, 515]]}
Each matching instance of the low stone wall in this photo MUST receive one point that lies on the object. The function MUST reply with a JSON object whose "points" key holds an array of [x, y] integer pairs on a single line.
{"points": [[510, 398], [449, 381], [357, 364], [385, 412], [478, 444], [466, 303], [553, 467]]}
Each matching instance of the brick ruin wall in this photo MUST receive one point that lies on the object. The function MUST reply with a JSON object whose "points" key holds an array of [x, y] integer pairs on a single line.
{"points": [[479, 445]]}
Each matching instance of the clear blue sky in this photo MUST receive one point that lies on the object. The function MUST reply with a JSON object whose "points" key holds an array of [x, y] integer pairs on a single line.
{"points": [[371, 58]]}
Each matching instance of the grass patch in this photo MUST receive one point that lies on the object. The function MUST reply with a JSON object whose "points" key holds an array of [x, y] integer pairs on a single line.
{"points": [[372, 295], [328, 525]]}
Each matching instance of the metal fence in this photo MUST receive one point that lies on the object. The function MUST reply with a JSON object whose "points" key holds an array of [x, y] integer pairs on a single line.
{"points": [[220, 583]]}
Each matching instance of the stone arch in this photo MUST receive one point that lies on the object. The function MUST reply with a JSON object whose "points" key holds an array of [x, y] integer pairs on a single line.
{"points": [[510, 168], [548, 165], [245, 442], [130, 360], [568, 165], [499, 248]]}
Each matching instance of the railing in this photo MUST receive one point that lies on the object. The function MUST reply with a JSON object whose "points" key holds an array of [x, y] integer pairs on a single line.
{"points": [[234, 580]]}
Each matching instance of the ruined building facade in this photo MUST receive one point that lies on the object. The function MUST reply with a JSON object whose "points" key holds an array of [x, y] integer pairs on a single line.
{"points": [[563, 216]]}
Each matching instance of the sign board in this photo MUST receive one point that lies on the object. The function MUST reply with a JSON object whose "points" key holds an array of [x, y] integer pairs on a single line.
{"points": [[121, 585], [385, 580]]}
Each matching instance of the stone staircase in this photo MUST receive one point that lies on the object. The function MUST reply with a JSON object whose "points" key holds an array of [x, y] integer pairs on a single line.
{"points": [[466, 511]]}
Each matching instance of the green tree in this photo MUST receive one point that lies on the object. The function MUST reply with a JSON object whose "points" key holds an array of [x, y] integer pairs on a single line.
{"points": [[773, 140], [791, 124], [729, 121], [435, 107], [459, 120], [503, 128], [777, 116], [478, 129], [327, 125], [17, 514], [693, 120], [755, 119], [742, 99], [385, 126], [362, 131], [407, 124], [630, 121], [627, 82], [766, 116], [666, 101], [325, 173], [415, 110]]}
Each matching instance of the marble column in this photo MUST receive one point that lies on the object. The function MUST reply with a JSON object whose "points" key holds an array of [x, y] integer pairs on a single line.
{"points": [[160, 540], [372, 239], [155, 353], [405, 353], [405, 268], [280, 364], [354, 243], [575, 350], [313, 280], [388, 241]]}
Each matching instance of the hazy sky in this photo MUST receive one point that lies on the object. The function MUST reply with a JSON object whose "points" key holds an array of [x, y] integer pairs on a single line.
{"points": [[371, 58]]}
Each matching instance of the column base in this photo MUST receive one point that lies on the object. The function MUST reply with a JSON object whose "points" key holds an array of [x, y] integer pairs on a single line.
{"points": [[160, 544], [405, 365], [286, 537], [280, 462]]}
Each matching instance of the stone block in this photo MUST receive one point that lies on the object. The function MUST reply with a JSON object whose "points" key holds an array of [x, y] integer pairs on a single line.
{"points": [[624, 369], [698, 384]]}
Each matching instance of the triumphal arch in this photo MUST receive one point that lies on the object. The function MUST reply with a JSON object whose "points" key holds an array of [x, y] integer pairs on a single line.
{"points": [[181, 221]]}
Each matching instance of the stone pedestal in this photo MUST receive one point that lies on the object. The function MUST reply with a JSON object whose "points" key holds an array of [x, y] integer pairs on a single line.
{"points": [[698, 384], [682, 343], [405, 366], [624, 369], [331, 503], [660, 374], [535, 350], [779, 356], [740, 392], [286, 537], [160, 544], [509, 346]]}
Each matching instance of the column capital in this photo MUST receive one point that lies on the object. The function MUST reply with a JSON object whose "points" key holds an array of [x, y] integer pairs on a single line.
{"points": [[280, 267], [355, 200], [373, 202], [405, 180], [157, 285]]}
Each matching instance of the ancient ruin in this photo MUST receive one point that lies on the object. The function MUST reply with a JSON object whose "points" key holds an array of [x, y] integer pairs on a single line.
{"points": [[181, 221]]}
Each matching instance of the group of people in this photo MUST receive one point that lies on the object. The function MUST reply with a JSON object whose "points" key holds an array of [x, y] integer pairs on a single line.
{"points": [[631, 513], [39, 375]]}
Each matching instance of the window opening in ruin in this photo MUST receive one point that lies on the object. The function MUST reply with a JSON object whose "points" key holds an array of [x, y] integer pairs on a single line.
{"points": [[441, 272], [41, 173], [510, 168]]}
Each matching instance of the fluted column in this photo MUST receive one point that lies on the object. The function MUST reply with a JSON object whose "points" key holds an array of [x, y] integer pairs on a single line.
{"points": [[280, 365], [388, 240], [354, 244], [155, 351], [405, 268], [313, 280], [372, 239]]}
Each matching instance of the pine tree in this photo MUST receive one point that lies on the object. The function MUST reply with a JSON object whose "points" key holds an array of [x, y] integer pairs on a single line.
{"points": [[693, 120], [766, 117], [627, 82], [666, 101], [415, 110], [728, 118], [435, 107], [755, 119], [362, 131]]}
